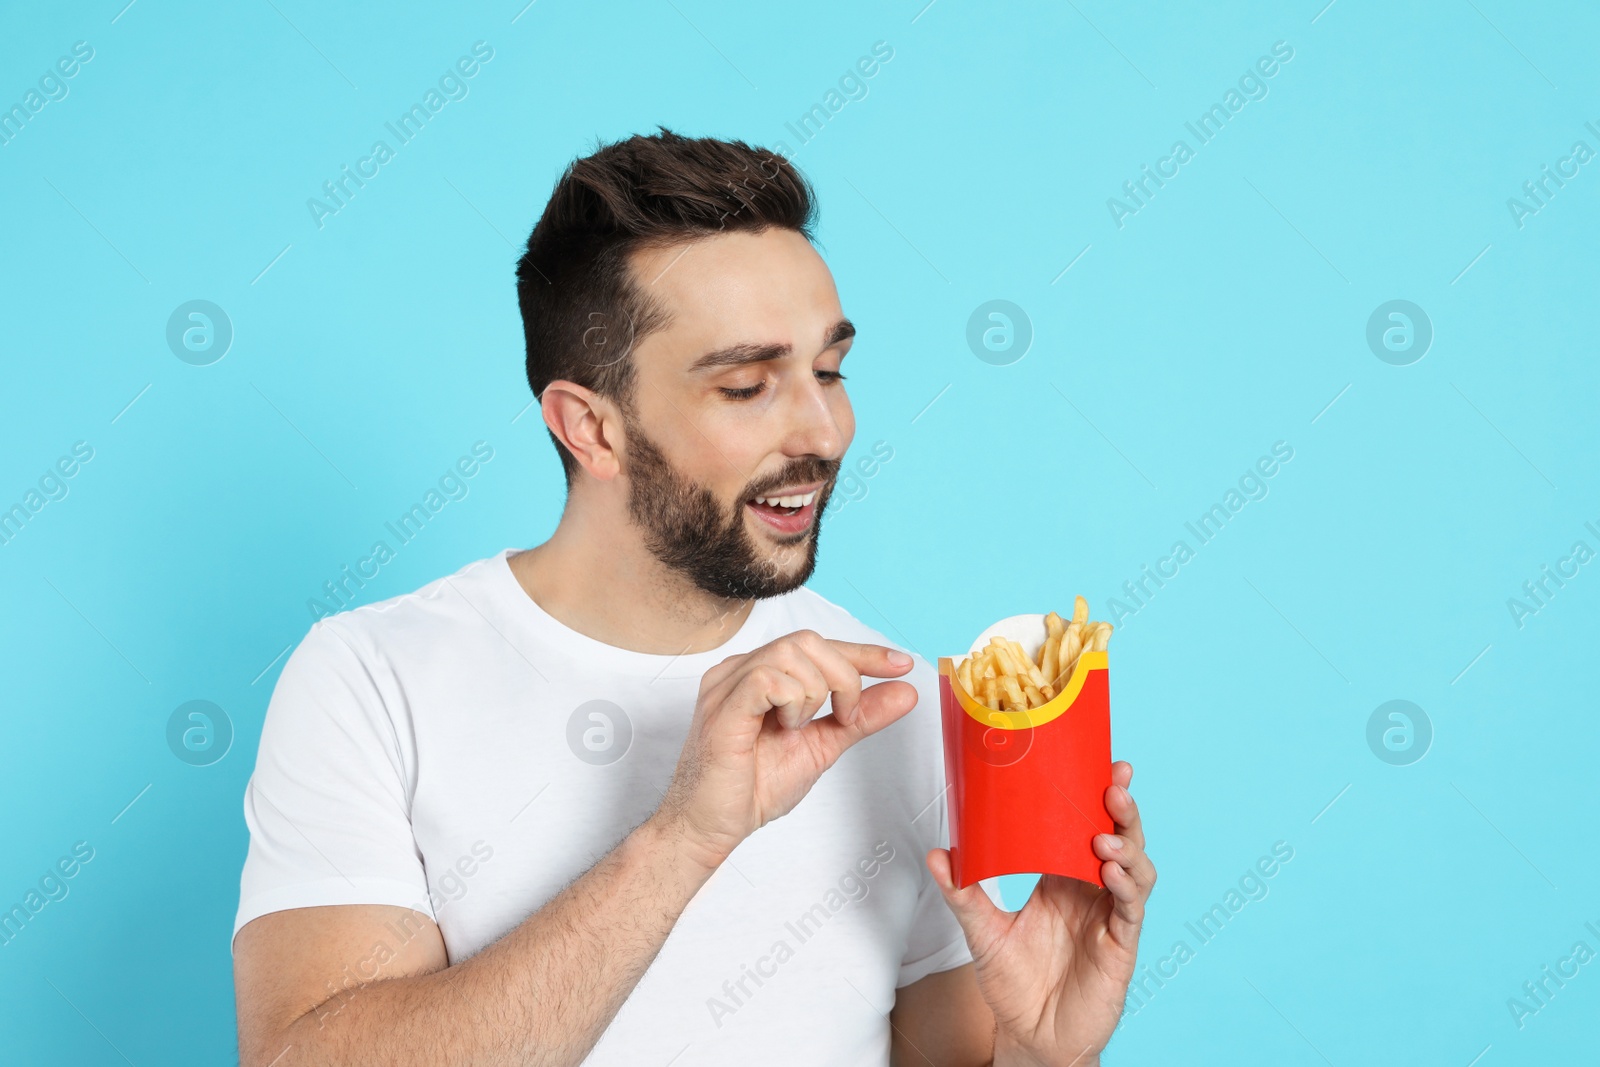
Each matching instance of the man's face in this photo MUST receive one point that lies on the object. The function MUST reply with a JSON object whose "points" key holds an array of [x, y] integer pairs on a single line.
{"points": [[739, 416]]}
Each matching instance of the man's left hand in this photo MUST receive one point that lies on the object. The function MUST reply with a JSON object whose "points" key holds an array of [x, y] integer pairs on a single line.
{"points": [[1056, 973]]}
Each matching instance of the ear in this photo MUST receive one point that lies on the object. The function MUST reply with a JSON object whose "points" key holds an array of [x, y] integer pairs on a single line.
{"points": [[586, 423]]}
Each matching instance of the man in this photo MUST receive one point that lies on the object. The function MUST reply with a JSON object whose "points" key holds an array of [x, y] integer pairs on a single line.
{"points": [[578, 803]]}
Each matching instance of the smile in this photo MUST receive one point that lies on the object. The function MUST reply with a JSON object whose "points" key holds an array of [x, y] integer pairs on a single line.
{"points": [[789, 511]]}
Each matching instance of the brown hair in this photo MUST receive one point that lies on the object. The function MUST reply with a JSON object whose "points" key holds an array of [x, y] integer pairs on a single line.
{"points": [[582, 311]]}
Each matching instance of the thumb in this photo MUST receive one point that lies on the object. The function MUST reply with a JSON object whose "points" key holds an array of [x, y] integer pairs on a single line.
{"points": [[982, 922], [881, 705]]}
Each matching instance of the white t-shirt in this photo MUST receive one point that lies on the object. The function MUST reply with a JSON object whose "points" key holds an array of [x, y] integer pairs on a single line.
{"points": [[460, 752]]}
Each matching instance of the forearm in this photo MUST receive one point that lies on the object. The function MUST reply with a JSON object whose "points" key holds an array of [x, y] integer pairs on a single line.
{"points": [[542, 994], [1008, 1054]]}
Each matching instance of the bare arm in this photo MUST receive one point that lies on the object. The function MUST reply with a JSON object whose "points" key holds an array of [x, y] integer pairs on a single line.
{"points": [[545, 992], [943, 1021]]}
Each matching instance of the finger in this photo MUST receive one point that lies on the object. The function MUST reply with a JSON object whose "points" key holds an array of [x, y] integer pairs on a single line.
{"points": [[721, 676], [1127, 908], [1125, 814], [982, 922], [1130, 877], [762, 689], [793, 661], [1129, 857], [875, 661], [1122, 773], [842, 676], [718, 682]]}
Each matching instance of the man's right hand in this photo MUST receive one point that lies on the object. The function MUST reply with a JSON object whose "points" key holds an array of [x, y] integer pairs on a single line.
{"points": [[754, 749]]}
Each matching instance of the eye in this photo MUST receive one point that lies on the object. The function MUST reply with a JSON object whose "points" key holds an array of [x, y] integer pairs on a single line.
{"points": [[829, 376], [745, 393]]}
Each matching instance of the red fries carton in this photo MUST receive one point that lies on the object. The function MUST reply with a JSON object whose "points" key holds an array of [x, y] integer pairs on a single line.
{"points": [[1027, 788]]}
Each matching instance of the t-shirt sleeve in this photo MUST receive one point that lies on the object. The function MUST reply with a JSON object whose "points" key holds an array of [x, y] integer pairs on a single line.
{"points": [[328, 805], [936, 941]]}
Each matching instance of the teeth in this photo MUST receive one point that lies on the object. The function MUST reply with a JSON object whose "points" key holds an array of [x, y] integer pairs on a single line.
{"points": [[793, 501]]}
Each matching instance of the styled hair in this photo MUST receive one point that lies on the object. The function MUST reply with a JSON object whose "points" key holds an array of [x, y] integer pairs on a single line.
{"points": [[583, 311]]}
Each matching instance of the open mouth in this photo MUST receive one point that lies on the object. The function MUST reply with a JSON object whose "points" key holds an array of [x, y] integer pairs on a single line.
{"points": [[787, 512]]}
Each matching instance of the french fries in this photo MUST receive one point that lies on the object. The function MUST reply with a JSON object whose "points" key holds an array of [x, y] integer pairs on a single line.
{"points": [[1002, 675]]}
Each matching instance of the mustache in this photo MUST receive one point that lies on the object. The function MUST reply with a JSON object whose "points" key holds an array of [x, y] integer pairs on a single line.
{"points": [[810, 469]]}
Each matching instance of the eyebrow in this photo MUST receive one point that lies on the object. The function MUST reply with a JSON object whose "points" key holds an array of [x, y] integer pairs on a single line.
{"points": [[749, 352]]}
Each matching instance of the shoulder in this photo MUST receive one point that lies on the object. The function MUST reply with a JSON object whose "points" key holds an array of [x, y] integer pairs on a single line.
{"points": [[410, 618], [349, 674]]}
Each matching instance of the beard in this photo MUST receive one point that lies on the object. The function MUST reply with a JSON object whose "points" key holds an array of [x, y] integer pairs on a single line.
{"points": [[687, 528]]}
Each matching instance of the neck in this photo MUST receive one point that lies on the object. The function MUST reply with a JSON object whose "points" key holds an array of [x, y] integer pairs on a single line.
{"points": [[596, 576]]}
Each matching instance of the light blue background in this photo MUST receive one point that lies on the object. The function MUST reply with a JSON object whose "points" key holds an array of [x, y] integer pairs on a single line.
{"points": [[1223, 317]]}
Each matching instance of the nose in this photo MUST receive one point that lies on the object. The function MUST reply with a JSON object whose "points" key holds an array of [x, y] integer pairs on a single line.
{"points": [[820, 419]]}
